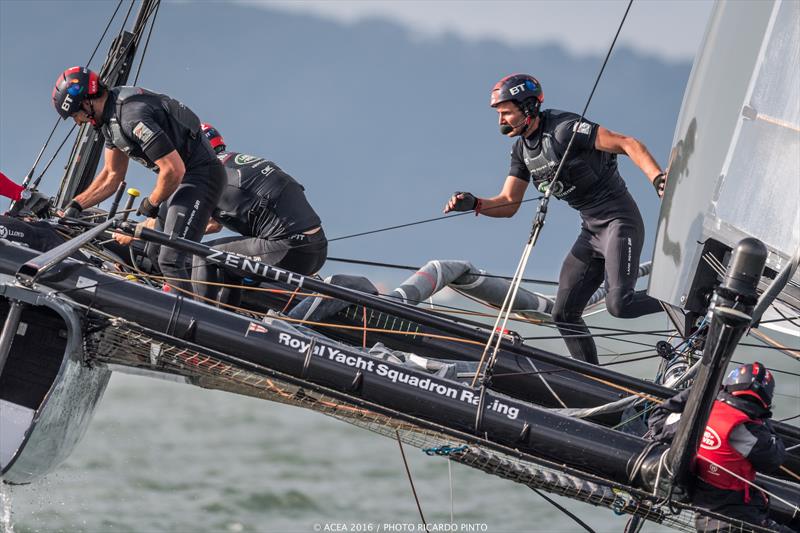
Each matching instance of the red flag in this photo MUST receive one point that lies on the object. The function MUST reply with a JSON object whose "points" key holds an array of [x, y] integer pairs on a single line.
{"points": [[9, 189]]}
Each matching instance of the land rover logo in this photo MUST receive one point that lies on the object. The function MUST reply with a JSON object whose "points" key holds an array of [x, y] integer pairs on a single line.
{"points": [[711, 440], [242, 159]]}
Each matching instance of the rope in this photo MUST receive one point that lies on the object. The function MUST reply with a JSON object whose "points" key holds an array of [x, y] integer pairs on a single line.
{"points": [[748, 482], [119, 4], [539, 219], [445, 450], [563, 509], [408, 224], [410, 480], [147, 42], [416, 269]]}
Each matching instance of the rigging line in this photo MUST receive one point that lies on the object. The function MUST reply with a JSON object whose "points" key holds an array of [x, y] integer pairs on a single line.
{"points": [[415, 269], [790, 319], [127, 16], [612, 336], [307, 322], [147, 42], [50, 162], [564, 510], [136, 37], [410, 480], [39, 178], [748, 482], [763, 337], [772, 347], [249, 312], [612, 363], [614, 333], [786, 420], [424, 221], [541, 213], [773, 370], [791, 473], [29, 175], [100, 41]]}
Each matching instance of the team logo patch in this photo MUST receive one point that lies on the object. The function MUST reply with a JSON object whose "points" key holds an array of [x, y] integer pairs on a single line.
{"points": [[582, 127], [142, 132], [711, 440], [243, 159], [6, 233]]}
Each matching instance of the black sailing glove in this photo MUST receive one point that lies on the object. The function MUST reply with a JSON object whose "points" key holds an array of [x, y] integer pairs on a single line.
{"points": [[73, 209], [466, 202], [147, 209], [659, 182]]}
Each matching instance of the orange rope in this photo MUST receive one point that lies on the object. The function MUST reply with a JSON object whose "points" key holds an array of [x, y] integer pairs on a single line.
{"points": [[364, 341]]}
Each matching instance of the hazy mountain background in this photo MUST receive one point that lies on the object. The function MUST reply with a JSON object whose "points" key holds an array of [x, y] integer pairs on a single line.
{"points": [[379, 123]]}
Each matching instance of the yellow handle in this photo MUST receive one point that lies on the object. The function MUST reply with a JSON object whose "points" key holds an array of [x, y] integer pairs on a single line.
{"points": [[134, 192]]}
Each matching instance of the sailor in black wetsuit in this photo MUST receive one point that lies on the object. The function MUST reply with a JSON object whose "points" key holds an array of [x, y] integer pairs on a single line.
{"points": [[163, 135], [269, 211], [612, 232]]}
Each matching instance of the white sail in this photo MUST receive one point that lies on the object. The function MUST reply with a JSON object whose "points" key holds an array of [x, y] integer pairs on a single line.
{"points": [[735, 165]]}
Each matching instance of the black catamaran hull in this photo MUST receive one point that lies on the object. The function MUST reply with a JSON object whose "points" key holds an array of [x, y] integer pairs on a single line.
{"points": [[47, 392], [273, 346]]}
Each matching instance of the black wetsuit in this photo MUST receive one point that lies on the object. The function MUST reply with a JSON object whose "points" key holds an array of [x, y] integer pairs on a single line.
{"points": [[612, 232], [269, 209], [148, 126]]}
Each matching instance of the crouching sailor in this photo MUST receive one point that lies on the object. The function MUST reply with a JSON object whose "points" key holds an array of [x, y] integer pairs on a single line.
{"points": [[269, 211], [738, 442], [163, 135]]}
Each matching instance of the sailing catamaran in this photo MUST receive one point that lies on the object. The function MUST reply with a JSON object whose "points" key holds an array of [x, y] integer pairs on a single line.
{"points": [[534, 417]]}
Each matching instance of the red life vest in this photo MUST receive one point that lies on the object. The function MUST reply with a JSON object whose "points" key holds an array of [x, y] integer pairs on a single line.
{"points": [[716, 447]]}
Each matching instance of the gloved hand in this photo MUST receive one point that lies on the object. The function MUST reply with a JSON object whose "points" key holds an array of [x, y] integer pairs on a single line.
{"points": [[73, 209], [461, 201], [659, 182], [147, 209]]}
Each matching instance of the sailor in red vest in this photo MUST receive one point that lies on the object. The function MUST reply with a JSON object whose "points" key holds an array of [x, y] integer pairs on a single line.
{"points": [[738, 442]]}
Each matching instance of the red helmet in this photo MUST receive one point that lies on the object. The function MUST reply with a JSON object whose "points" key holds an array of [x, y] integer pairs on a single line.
{"points": [[751, 380], [522, 89], [213, 136], [73, 86]]}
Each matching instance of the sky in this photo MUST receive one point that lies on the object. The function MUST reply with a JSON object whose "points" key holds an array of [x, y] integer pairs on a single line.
{"points": [[202, 49], [671, 29]]}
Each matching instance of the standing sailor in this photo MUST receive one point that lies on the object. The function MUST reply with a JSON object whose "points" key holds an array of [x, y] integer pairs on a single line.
{"points": [[738, 442], [163, 135], [269, 211], [612, 233]]}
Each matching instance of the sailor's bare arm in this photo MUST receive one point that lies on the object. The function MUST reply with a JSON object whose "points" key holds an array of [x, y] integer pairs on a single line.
{"points": [[616, 143], [170, 173], [115, 167]]}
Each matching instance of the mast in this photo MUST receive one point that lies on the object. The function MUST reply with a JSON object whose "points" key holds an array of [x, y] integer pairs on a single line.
{"points": [[85, 155], [731, 311]]}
